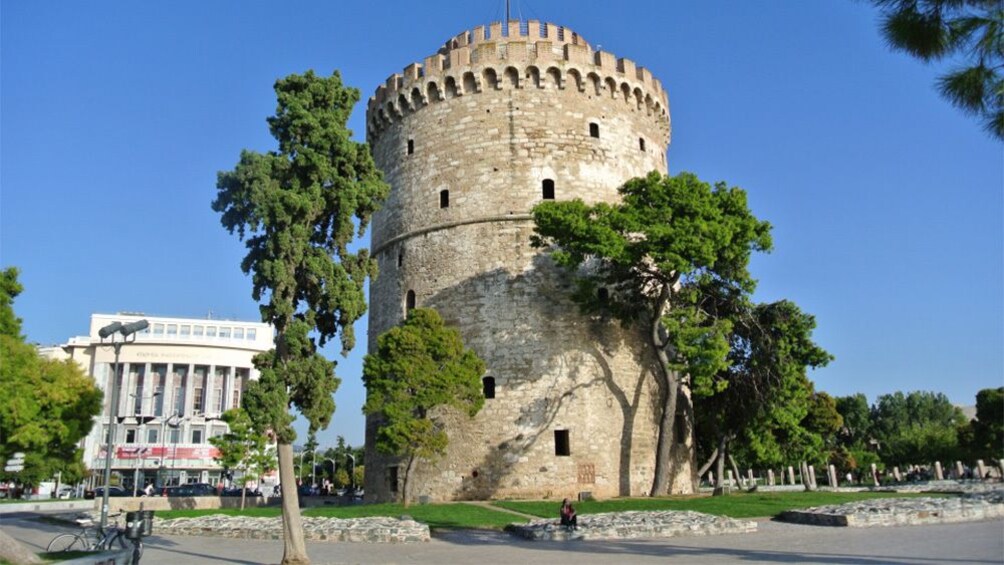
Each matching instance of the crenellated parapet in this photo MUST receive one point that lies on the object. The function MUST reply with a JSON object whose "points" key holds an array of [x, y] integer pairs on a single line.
{"points": [[520, 55]]}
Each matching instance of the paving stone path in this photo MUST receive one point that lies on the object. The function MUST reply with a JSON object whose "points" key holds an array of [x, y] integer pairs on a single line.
{"points": [[903, 511], [634, 524]]}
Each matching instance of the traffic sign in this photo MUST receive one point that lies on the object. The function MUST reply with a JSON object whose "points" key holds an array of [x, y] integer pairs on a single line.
{"points": [[13, 468], [18, 455]]}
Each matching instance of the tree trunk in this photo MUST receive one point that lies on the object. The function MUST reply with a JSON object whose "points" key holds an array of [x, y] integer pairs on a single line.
{"points": [[295, 551], [707, 465], [670, 384], [720, 466], [244, 492], [406, 484], [735, 470]]}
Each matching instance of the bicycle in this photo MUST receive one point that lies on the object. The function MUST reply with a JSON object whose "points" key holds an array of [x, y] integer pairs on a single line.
{"points": [[92, 538]]}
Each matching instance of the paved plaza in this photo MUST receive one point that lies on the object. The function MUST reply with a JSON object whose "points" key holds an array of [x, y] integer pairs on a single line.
{"points": [[774, 542]]}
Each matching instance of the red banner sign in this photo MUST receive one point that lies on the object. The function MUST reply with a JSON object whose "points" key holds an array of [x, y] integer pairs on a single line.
{"points": [[167, 452]]}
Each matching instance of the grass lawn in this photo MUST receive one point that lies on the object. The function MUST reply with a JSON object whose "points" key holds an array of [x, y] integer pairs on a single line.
{"points": [[437, 516], [739, 505]]}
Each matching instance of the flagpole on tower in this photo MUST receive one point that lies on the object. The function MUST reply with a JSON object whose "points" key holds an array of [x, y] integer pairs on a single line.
{"points": [[507, 12]]}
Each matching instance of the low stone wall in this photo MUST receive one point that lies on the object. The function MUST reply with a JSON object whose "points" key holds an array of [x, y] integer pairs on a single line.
{"points": [[372, 530], [130, 503], [903, 511], [634, 524]]}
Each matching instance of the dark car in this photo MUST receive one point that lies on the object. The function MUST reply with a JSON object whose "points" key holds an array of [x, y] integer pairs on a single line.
{"points": [[194, 489], [99, 492], [237, 492]]}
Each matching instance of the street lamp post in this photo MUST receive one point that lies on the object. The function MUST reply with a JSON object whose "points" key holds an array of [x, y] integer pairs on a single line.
{"points": [[108, 332], [139, 459], [352, 472]]}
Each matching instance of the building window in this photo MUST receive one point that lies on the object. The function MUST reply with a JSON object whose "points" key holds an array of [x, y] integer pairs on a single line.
{"points": [[185, 331], [197, 331], [197, 435], [400, 258], [411, 147], [641, 143], [152, 435], [444, 198], [197, 401], [238, 333], [211, 331], [548, 189], [392, 478], [594, 130], [224, 333], [236, 399], [488, 387], [561, 446], [409, 302], [130, 435], [158, 329], [174, 435], [252, 334]]}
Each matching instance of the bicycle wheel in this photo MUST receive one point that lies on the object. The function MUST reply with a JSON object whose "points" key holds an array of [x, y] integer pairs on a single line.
{"points": [[119, 542], [66, 542]]}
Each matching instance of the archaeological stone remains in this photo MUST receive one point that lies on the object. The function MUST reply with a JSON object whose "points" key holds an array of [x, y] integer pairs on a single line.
{"points": [[499, 119]]}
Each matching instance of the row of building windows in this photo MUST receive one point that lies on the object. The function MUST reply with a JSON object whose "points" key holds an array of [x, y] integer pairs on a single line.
{"points": [[546, 189], [188, 331], [172, 436]]}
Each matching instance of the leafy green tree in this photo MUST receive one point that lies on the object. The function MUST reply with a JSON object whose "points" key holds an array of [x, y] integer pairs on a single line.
{"points": [[764, 398], [243, 449], [973, 30], [657, 253], [919, 427], [856, 415], [297, 209], [48, 406], [420, 372], [988, 428]]}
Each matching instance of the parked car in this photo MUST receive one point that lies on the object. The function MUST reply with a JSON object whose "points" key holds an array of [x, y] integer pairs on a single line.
{"points": [[194, 489], [99, 492]]}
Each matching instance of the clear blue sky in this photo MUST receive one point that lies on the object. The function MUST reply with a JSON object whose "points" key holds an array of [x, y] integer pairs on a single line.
{"points": [[886, 201]]}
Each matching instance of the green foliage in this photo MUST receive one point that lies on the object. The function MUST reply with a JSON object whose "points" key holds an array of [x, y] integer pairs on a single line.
{"points": [[420, 368], [661, 253], [988, 427], [297, 209], [765, 396], [10, 324], [919, 427], [856, 414], [48, 406], [933, 30], [243, 448]]}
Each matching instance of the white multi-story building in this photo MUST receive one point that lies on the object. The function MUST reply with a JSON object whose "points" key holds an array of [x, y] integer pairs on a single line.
{"points": [[177, 378]]}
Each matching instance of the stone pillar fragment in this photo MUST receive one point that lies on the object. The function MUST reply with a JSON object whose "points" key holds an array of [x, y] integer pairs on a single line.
{"points": [[960, 471], [834, 482], [770, 477], [981, 468], [1000, 465], [939, 474], [875, 477], [791, 475], [896, 475], [711, 477], [812, 476]]}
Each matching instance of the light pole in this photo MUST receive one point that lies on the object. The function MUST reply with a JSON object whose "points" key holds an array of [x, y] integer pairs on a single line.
{"points": [[139, 460], [108, 332], [352, 472], [174, 421]]}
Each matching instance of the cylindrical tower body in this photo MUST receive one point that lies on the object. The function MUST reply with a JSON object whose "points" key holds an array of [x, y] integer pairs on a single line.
{"points": [[496, 122]]}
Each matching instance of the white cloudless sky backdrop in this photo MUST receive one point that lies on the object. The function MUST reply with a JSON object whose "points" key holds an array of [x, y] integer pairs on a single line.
{"points": [[886, 201]]}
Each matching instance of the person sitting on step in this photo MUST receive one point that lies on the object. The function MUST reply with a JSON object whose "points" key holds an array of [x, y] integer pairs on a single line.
{"points": [[568, 517]]}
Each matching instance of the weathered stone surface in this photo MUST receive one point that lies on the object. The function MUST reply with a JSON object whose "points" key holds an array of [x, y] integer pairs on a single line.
{"points": [[371, 530], [635, 524], [493, 123], [903, 511]]}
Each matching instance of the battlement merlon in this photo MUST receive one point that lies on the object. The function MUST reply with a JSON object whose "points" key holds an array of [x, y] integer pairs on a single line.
{"points": [[544, 44]]}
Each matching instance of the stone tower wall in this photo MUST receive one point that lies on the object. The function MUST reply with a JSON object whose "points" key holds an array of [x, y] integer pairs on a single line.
{"points": [[489, 119]]}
